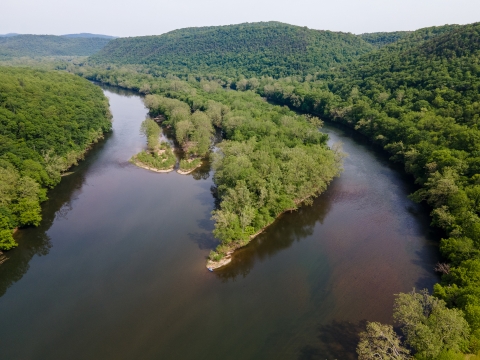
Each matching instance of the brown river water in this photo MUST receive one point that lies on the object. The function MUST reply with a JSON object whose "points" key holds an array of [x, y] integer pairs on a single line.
{"points": [[117, 269]]}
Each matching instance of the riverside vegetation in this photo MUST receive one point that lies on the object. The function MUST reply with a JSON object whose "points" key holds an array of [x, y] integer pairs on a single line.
{"points": [[416, 94], [48, 120]]}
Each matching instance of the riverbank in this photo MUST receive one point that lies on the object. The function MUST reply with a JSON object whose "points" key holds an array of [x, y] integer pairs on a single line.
{"points": [[186, 172], [136, 162], [235, 245], [227, 259]]}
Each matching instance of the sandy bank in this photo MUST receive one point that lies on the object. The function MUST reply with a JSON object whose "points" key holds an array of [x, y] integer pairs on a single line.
{"points": [[143, 166], [185, 172]]}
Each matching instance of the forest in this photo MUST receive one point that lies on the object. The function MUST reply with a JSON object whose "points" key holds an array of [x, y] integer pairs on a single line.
{"points": [[271, 49], [48, 120]]}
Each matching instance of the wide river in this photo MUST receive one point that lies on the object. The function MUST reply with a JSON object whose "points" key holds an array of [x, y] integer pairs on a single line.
{"points": [[117, 268]]}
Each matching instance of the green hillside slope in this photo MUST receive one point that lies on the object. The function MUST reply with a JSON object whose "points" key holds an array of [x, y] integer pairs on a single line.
{"points": [[49, 45], [47, 120], [250, 49], [380, 39]]}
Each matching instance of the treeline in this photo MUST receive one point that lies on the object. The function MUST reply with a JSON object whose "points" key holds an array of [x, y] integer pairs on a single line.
{"points": [[271, 159], [419, 99], [250, 49], [49, 45], [47, 121]]}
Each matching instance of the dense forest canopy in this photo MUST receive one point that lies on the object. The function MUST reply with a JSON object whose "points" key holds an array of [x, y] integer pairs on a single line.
{"points": [[251, 49], [380, 39], [49, 45], [47, 120]]}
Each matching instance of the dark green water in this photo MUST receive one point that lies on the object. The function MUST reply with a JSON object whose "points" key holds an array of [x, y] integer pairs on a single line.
{"points": [[117, 268]]}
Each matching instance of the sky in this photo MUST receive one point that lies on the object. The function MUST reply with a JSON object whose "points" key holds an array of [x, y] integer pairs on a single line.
{"points": [[153, 17]]}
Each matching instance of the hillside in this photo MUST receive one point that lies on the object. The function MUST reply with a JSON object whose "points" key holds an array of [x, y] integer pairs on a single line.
{"points": [[251, 49], [49, 45], [380, 39], [48, 120]]}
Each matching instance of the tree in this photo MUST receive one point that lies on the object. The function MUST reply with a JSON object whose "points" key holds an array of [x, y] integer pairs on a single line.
{"points": [[151, 131], [380, 342], [428, 325]]}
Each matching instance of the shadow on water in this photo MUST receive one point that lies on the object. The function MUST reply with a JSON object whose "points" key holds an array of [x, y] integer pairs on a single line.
{"points": [[285, 231], [338, 339], [35, 240]]}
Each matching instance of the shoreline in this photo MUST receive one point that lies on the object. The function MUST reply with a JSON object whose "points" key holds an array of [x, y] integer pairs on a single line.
{"points": [[143, 166], [186, 172], [227, 259], [238, 244]]}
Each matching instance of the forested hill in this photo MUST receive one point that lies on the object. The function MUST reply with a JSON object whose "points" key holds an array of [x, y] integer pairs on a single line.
{"points": [[88, 35], [438, 61], [49, 45], [250, 49]]}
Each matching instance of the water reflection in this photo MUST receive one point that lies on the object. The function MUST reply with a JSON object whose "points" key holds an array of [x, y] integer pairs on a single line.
{"points": [[35, 240], [289, 228], [338, 339]]}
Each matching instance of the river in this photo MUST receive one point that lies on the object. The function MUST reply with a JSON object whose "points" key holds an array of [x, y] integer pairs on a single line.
{"points": [[117, 269]]}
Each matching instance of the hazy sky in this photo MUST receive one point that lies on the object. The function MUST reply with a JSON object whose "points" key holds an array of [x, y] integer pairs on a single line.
{"points": [[148, 17]]}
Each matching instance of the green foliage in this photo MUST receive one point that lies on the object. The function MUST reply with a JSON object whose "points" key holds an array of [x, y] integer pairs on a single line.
{"points": [[47, 121], [152, 132], [380, 342], [250, 49], [380, 39], [159, 158], [48, 45], [429, 326], [6, 240], [189, 164]]}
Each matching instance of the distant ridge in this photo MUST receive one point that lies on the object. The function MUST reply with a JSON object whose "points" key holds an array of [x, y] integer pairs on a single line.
{"points": [[80, 35], [249, 49], [49, 45], [88, 35]]}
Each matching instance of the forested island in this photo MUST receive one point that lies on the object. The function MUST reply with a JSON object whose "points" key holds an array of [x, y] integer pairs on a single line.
{"points": [[414, 94]]}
